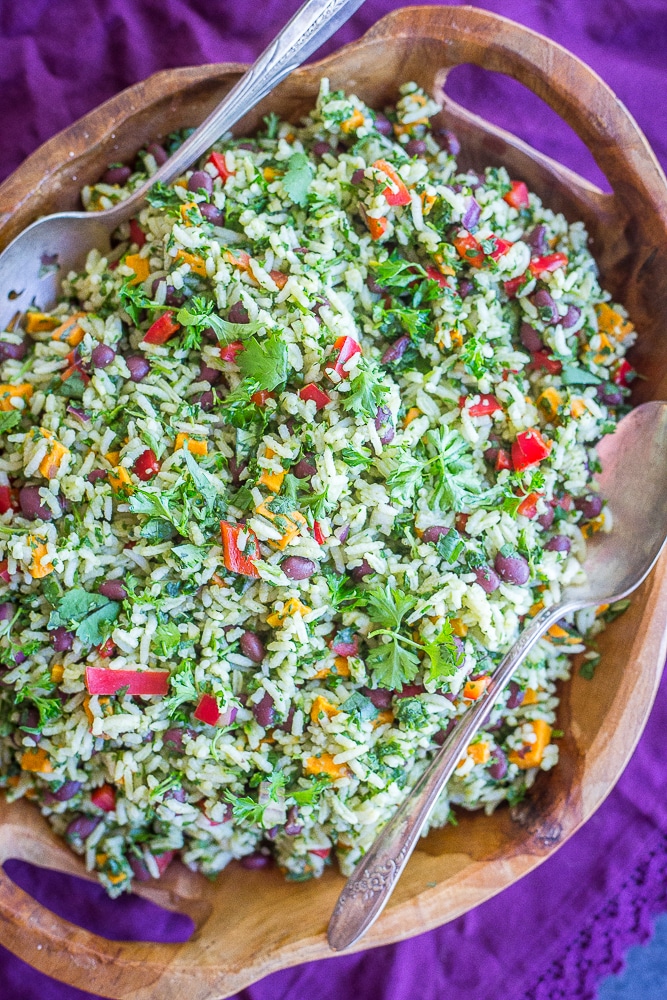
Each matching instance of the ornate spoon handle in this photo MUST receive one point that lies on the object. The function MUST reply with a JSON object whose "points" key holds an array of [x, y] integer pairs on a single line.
{"points": [[310, 27], [371, 884]]}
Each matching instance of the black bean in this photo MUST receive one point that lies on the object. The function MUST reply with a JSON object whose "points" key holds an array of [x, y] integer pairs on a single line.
{"points": [[252, 647], [113, 589], [447, 140], [498, 769], [208, 374], [559, 543], [435, 532], [31, 504], [515, 695], [358, 176], [609, 394], [304, 468], [487, 579], [546, 519], [200, 180], [116, 175], [15, 352], [138, 367], [212, 213], [415, 147], [255, 860], [81, 828], [530, 338], [546, 306], [264, 711], [396, 350], [158, 152], [238, 313], [298, 568], [590, 506], [537, 239], [380, 697], [62, 639], [359, 572], [67, 791], [382, 124], [321, 148], [102, 356], [571, 317], [512, 568]]}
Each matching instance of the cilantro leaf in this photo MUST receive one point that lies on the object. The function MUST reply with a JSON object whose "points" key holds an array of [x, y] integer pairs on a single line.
{"points": [[392, 664], [360, 707], [298, 177], [388, 607], [265, 362], [443, 653], [89, 615], [309, 796], [166, 639], [357, 457], [9, 419], [367, 389], [163, 196], [576, 375], [396, 272], [200, 314], [406, 477], [184, 689]]}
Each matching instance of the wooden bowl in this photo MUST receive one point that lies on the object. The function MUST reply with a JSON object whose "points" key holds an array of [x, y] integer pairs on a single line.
{"points": [[252, 923]]}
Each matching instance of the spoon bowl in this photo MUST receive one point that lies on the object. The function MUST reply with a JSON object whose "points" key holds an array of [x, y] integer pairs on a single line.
{"points": [[33, 265], [634, 483]]}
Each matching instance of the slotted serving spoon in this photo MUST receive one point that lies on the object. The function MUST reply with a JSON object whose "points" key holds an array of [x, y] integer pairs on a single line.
{"points": [[68, 236], [616, 564]]}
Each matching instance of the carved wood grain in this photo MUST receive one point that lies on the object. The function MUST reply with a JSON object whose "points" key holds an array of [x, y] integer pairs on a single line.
{"points": [[252, 923]]}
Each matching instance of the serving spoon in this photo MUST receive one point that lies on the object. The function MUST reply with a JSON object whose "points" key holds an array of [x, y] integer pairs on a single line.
{"points": [[634, 482], [67, 237]]}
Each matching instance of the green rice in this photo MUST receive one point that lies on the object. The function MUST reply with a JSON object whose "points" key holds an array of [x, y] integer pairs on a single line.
{"points": [[312, 749]]}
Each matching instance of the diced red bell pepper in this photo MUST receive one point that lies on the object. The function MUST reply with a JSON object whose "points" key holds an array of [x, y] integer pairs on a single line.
{"points": [[501, 248], [551, 262], [513, 285], [146, 466], [279, 278], [103, 680], [229, 351], [237, 561], [317, 533], [74, 367], [460, 522], [4, 571], [402, 195], [503, 461], [219, 162], [377, 227], [529, 449], [487, 405], [344, 349], [528, 506], [104, 798], [137, 235], [540, 359], [259, 398], [107, 649], [163, 860], [469, 250], [434, 274], [162, 329], [518, 196], [321, 852], [565, 502], [319, 397], [207, 710], [624, 373], [8, 499]]}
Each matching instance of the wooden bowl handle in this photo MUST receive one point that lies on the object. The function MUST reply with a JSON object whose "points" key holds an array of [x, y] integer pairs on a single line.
{"points": [[570, 87]]}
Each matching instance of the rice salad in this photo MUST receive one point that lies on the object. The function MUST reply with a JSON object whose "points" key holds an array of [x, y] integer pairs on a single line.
{"points": [[280, 479]]}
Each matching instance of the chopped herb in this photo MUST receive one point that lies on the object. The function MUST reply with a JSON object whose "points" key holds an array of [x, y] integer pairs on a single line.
{"points": [[184, 690], [163, 196], [367, 390], [9, 419], [166, 639], [360, 707], [264, 362], [412, 712], [575, 375], [298, 177], [91, 616]]}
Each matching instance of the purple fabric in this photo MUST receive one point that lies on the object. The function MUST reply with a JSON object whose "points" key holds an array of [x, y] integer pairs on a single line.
{"points": [[561, 929]]}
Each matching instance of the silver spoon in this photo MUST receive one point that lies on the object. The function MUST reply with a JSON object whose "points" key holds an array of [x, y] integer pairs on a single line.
{"points": [[634, 482], [70, 235]]}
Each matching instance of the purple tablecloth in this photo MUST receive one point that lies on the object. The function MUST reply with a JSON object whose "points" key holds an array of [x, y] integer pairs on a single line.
{"points": [[567, 925]]}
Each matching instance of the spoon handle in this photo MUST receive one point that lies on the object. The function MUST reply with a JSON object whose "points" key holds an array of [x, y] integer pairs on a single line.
{"points": [[371, 884], [308, 29]]}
